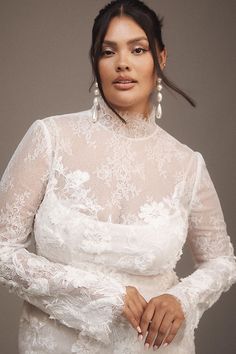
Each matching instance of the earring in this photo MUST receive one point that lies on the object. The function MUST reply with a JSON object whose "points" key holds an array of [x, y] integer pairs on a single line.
{"points": [[159, 99], [95, 104]]}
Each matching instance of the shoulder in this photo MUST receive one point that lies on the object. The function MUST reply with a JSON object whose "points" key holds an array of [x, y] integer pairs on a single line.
{"points": [[64, 124], [178, 151], [65, 119], [60, 128], [170, 142]]}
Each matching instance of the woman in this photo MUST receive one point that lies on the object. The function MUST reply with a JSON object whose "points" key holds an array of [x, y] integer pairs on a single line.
{"points": [[111, 199]]}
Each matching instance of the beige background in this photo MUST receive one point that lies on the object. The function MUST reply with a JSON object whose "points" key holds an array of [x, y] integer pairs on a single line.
{"points": [[45, 71]]}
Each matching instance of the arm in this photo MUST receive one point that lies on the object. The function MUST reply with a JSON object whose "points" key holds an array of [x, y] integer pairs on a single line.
{"points": [[213, 254], [79, 299]]}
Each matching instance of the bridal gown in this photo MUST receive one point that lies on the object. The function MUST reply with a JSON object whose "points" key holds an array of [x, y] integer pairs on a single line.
{"points": [[107, 205]]}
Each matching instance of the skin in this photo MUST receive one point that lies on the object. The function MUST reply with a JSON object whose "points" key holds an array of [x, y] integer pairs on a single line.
{"points": [[124, 56], [133, 59]]}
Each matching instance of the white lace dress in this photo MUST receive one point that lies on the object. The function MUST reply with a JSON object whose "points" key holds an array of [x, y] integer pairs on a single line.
{"points": [[108, 206]]}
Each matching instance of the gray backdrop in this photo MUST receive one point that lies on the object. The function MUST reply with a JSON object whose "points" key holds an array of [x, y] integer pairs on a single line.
{"points": [[45, 71]]}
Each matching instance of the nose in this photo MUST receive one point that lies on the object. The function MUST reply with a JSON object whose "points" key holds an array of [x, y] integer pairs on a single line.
{"points": [[122, 67], [122, 63]]}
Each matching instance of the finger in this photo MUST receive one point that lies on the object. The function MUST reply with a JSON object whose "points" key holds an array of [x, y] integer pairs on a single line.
{"points": [[174, 330], [164, 328], [139, 306], [135, 310], [163, 337], [154, 326], [130, 317], [146, 318], [166, 323], [139, 312], [137, 299], [143, 302]]}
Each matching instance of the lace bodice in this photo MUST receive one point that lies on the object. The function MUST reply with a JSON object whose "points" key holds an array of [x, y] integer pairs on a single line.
{"points": [[109, 205]]}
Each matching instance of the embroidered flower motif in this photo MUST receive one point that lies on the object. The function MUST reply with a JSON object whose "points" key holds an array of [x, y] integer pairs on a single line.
{"points": [[144, 262], [76, 178], [150, 212], [95, 240]]}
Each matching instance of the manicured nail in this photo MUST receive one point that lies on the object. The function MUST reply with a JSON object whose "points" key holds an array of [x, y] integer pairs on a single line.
{"points": [[139, 329], [155, 348], [165, 345], [140, 337], [146, 346]]}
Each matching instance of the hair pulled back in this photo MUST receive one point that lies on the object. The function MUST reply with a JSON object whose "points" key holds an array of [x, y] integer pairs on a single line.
{"points": [[151, 24]]}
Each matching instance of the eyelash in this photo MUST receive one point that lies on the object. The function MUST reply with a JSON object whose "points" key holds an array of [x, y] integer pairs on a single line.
{"points": [[104, 52], [143, 50]]}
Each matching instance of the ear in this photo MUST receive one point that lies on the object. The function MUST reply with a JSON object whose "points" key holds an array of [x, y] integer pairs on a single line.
{"points": [[163, 58]]}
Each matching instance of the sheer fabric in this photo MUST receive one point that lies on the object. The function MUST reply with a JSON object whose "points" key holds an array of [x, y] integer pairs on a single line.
{"points": [[108, 205]]}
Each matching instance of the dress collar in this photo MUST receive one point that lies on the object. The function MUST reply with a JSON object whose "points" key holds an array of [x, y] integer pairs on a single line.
{"points": [[137, 126]]}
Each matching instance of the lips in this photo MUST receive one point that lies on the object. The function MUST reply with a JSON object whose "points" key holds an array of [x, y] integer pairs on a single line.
{"points": [[124, 83], [124, 80]]}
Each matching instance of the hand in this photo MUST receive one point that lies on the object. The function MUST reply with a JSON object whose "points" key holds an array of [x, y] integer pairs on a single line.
{"points": [[134, 307], [162, 319]]}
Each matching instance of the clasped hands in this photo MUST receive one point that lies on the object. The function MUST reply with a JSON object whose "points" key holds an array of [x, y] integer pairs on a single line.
{"points": [[159, 319]]}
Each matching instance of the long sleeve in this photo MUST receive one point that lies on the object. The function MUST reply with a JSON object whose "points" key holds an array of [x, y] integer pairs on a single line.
{"points": [[212, 251], [83, 300]]}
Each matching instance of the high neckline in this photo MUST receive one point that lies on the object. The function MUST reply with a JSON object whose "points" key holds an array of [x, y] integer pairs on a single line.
{"points": [[137, 125]]}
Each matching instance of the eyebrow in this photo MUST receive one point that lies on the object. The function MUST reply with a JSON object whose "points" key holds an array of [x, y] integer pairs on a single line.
{"points": [[131, 41]]}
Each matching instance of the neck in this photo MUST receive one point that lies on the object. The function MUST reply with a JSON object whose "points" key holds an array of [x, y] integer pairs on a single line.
{"points": [[136, 125], [142, 111]]}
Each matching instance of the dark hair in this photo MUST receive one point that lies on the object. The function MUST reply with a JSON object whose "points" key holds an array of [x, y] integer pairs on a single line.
{"points": [[147, 20]]}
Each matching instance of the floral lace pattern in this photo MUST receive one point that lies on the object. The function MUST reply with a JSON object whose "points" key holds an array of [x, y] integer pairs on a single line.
{"points": [[137, 125], [109, 205]]}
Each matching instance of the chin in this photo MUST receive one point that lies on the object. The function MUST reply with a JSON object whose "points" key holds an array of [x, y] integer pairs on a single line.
{"points": [[124, 102], [121, 106]]}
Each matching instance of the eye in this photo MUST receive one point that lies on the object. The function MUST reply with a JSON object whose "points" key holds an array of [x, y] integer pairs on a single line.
{"points": [[107, 53], [139, 50]]}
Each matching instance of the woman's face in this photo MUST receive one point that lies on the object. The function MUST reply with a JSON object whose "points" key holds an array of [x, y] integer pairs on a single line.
{"points": [[126, 66]]}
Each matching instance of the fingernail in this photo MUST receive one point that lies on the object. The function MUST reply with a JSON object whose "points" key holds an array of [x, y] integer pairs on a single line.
{"points": [[155, 348], [140, 337], [165, 345], [139, 329], [146, 346]]}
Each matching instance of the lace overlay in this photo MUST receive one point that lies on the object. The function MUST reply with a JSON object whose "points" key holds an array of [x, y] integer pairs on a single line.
{"points": [[108, 205], [137, 125]]}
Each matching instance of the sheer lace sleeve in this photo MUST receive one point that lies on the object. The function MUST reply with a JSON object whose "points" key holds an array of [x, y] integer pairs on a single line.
{"points": [[213, 254], [79, 299]]}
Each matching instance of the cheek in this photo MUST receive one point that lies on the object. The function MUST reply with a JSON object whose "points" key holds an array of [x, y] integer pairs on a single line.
{"points": [[104, 70], [146, 71]]}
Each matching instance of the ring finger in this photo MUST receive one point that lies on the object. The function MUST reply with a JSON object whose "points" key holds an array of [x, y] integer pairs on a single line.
{"points": [[153, 327]]}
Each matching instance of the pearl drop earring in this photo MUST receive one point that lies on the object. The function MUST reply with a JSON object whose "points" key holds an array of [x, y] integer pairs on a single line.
{"points": [[159, 99], [95, 104]]}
